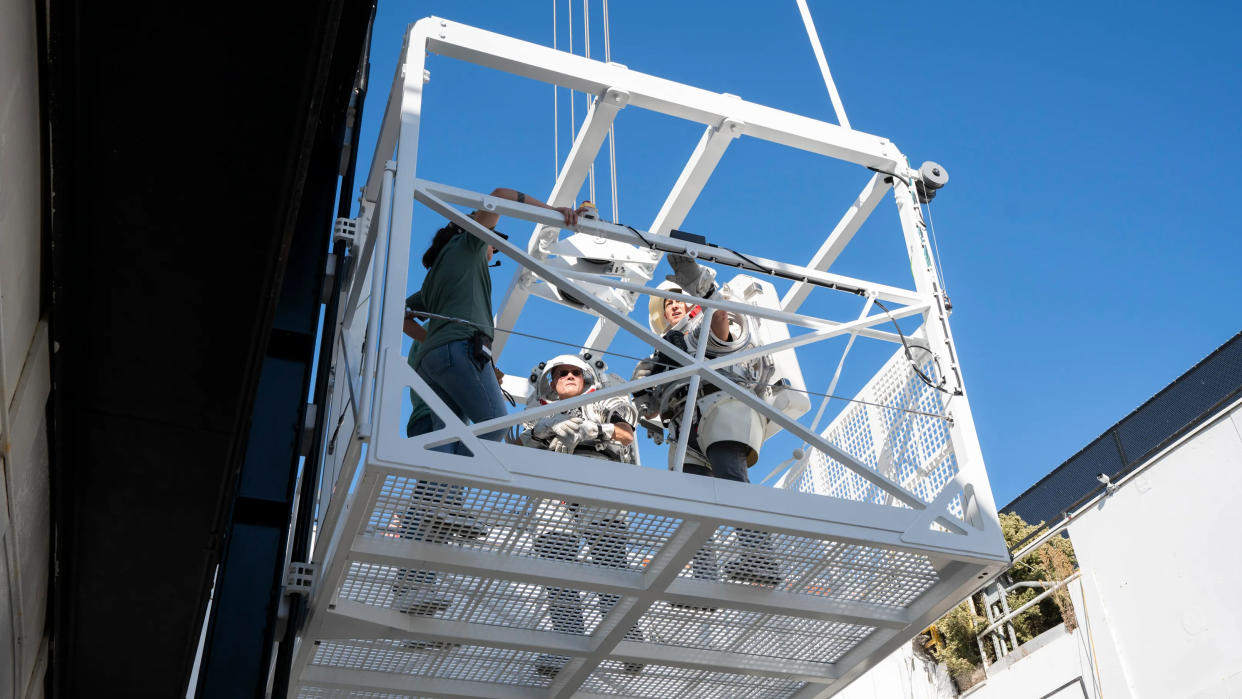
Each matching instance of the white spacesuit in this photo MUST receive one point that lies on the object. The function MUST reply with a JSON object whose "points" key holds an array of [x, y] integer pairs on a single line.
{"points": [[588, 430], [726, 435], [600, 430]]}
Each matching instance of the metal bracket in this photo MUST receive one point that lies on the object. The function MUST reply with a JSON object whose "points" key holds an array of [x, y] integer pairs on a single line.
{"points": [[345, 229], [300, 577], [308, 429]]}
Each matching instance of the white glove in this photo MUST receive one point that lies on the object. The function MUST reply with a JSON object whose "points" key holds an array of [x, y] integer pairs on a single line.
{"points": [[575, 431], [545, 427], [693, 278]]}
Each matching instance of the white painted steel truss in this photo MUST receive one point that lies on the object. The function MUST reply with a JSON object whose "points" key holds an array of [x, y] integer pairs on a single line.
{"points": [[896, 522]]}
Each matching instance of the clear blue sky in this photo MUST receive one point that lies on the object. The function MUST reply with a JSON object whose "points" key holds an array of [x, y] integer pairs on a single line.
{"points": [[1089, 234]]}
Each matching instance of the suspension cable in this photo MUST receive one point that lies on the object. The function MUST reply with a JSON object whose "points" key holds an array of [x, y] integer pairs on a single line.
{"points": [[823, 64], [931, 224], [612, 136], [556, 129], [573, 134], [586, 52]]}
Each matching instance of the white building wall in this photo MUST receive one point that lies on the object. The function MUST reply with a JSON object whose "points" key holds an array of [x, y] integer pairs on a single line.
{"points": [[24, 369], [902, 674], [1054, 665], [1162, 564], [1157, 603]]}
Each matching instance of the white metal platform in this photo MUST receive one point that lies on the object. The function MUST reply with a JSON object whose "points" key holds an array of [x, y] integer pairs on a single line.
{"points": [[895, 522]]}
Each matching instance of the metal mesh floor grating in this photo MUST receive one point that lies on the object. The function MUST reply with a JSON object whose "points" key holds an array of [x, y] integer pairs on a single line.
{"points": [[751, 633], [666, 682], [510, 593], [498, 666], [308, 692]]}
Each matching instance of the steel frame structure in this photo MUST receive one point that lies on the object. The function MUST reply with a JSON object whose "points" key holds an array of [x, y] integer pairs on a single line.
{"points": [[863, 572]]}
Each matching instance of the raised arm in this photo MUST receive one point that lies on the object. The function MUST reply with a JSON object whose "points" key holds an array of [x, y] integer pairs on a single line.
{"points": [[697, 280], [489, 219]]}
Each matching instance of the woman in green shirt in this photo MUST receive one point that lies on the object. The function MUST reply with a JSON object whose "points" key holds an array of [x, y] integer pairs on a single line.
{"points": [[455, 359]]}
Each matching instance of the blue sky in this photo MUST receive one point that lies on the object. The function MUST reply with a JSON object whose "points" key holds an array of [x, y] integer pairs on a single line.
{"points": [[1088, 235]]}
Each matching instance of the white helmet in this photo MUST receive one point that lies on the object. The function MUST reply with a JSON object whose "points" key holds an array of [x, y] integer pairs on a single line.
{"points": [[541, 376], [655, 309]]}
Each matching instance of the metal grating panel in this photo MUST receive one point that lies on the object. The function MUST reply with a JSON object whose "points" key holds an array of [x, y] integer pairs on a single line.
{"points": [[489, 601], [910, 448], [500, 666], [666, 682], [752, 633], [308, 692], [819, 567], [510, 523]]}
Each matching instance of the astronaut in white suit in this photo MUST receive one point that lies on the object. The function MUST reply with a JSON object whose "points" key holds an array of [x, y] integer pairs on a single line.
{"points": [[600, 430], [726, 434]]}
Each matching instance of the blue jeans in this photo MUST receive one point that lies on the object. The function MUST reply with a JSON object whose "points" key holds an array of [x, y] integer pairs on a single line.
{"points": [[469, 389]]}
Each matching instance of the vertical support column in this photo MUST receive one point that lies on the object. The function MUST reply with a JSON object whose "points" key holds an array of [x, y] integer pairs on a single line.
{"points": [[692, 392], [374, 306], [977, 504], [395, 247]]}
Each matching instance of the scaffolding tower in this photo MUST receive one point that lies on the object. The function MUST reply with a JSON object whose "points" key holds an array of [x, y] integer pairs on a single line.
{"points": [[885, 521]]}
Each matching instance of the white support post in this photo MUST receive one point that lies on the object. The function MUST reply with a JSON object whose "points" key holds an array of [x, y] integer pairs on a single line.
{"points": [[686, 426], [371, 350], [977, 502]]}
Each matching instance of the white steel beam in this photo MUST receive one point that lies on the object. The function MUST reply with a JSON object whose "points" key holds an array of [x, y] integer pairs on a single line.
{"points": [[353, 620], [664, 569], [386, 142], [940, 341], [348, 679], [706, 253], [576, 479], [649, 92], [612, 581], [724, 661]]}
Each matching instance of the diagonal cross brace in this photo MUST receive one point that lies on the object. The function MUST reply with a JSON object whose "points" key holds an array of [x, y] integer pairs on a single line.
{"points": [[669, 350]]}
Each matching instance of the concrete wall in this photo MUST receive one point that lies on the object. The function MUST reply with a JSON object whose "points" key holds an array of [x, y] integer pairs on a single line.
{"points": [[1054, 665], [901, 675], [24, 369], [1161, 563]]}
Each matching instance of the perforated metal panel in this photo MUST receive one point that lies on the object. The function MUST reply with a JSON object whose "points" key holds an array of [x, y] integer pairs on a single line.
{"points": [[912, 448]]}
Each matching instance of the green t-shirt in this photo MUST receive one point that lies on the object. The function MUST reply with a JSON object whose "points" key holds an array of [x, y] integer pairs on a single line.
{"points": [[457, 285]]}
